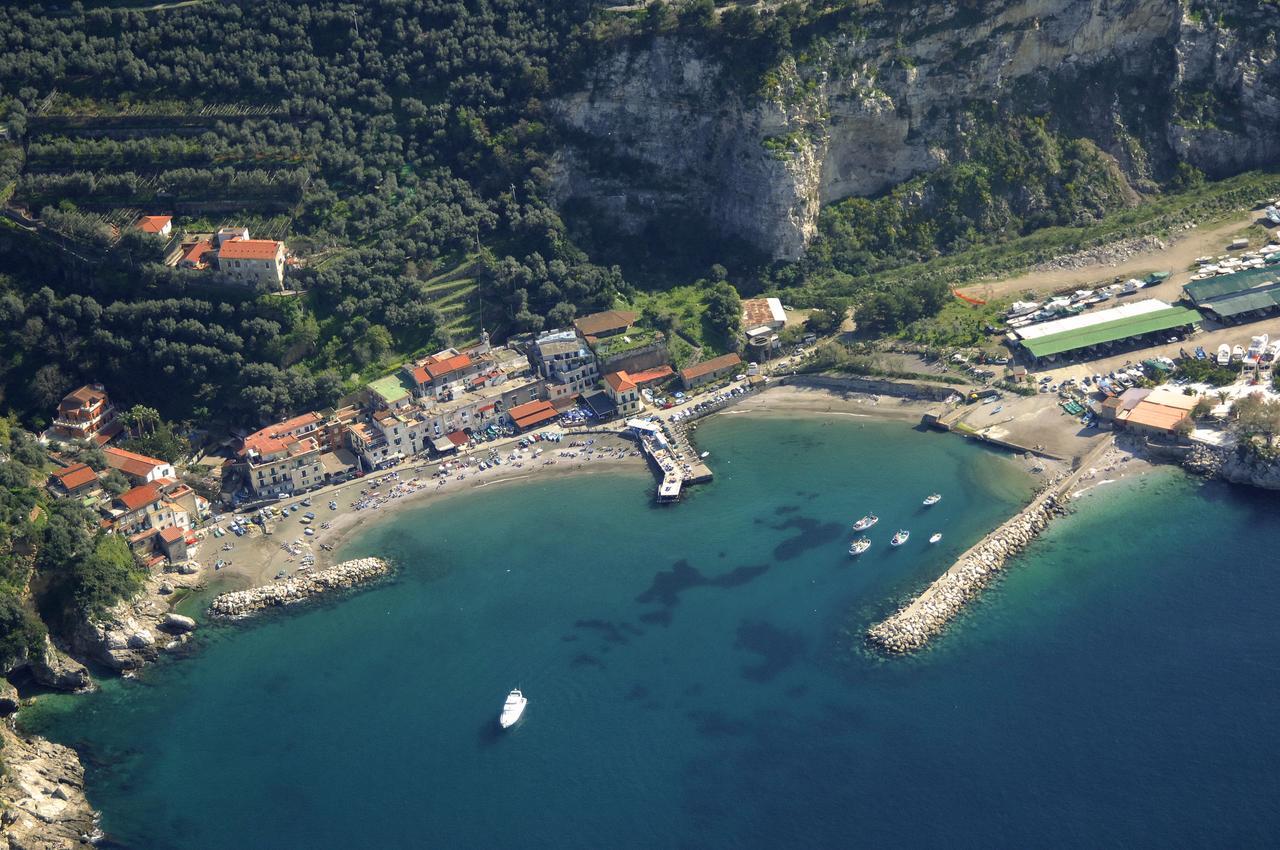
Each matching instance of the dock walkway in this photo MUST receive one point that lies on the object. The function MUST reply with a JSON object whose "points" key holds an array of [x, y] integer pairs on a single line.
{"points": [[915, 624]]}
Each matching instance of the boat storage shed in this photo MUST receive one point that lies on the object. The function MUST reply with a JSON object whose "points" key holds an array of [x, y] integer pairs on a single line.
{"points": [[1234, 297], [1105, 327]]}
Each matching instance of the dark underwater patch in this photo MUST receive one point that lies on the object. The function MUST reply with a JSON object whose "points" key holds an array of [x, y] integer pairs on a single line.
{"points": [[778, 649]]}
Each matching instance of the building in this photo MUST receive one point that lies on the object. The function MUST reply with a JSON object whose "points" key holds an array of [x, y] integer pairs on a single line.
{"points": [[710, 370], [623, 392], [147, 508], [606, 324], [1159, 413], [75, 480], [1243, 296], [763, 313], [139, 469], [439, 375], [651, 377], [284, 457], [161, 225], [532, 414], [85, 414], [252, 261], [762, 342], [197, 256], [1096, 333], [566, 362]]}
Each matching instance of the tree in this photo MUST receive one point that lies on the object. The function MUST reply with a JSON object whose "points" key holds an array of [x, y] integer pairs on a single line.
{"points": [[724, 311], [109, 574], [1202, 408], [140, 420]]}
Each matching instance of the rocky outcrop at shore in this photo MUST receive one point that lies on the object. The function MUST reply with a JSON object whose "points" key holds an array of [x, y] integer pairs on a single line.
{"points": [[54, 669], [42, 796], [242, 603], [911, 627], [1234, 464]]}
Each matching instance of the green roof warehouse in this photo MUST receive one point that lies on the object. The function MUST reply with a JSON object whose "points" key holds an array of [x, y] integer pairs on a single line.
{"points": [[1140, 323]]}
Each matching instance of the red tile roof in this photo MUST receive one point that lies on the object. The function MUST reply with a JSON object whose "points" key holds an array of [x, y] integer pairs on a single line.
{"points": [[75, 476], [248, 249], [131, 463], [649, 376], [86, 396], [420, 375], [195, 254], [153, 223], [619, 382], [172, 534], [706, 367], [532, 413], [139, 497], [458, 438], [450, 364], [610, 320]]}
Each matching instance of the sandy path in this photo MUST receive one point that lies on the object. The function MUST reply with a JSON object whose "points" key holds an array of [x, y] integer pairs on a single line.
{"points": [[1202, 241]]}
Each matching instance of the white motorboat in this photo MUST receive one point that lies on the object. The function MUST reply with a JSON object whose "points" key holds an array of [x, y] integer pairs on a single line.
{"points": [[866, 522], [1237, 354], [901, 537], [933, 499], [860, 545], [512, 709], [936, 537], [1257, 345], [1224, 354]]}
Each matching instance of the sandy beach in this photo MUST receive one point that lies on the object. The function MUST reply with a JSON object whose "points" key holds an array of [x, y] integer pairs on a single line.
{"points": [[257, 558]]}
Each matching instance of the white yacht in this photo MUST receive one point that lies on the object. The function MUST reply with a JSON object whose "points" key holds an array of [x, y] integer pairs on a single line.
{"points": [[1257, 345], [900, 538], [866, 522], [936, 537], [860, 545], [512, 709], [933, 499]]}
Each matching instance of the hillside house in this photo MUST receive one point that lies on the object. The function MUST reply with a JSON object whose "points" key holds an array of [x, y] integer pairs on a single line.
{"points": [[139, 469], [85, 414], [160, 225], [251, 261], [75, 480]]}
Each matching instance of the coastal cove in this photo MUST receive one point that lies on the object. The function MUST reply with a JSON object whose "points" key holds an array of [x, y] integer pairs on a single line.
{"points": [[1126, 650]]}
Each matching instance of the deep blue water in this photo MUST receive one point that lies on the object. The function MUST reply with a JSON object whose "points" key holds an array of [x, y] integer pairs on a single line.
{"points": [[696, 679]]}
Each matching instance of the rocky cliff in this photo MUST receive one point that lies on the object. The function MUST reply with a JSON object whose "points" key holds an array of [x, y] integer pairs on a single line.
{"points": [[663, 124], [42, 796]]}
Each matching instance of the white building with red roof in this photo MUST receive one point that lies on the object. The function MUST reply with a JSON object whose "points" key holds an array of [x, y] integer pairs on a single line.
{"points": [[139, 469], [161, 225], [284, 457], [251, 261]]}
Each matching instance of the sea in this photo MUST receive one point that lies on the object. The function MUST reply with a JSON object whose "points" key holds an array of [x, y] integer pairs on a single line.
{"points": [[697, 675]]}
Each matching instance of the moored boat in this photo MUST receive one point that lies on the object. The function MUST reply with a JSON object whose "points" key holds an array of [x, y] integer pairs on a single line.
{"points": [[901, 537], [860, 545], [936, 537], [512, 709], [866, 522], [933, 499]]}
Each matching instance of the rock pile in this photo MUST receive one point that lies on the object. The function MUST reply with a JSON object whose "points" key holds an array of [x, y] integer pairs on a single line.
{"points": [[1110, 254], [242, 603], [1205, 460], [912, 626]]}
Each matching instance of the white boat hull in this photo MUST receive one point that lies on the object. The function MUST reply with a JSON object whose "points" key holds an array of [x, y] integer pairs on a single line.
{"points": [[513, 709]]}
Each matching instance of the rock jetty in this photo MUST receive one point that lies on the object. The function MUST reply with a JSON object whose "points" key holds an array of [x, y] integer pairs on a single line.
{"points": [[912, 626], [243, 603]]}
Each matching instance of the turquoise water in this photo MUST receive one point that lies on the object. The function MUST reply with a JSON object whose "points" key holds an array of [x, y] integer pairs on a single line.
{"points": [[693, 682]]}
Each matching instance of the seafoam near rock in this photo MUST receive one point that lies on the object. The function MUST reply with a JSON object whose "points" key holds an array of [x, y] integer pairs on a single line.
{"points": [[242, 603]]}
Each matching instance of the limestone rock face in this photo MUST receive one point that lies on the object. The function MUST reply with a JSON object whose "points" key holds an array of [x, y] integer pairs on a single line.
{"points": [[42, 793], [58, 671], [660, 126]]}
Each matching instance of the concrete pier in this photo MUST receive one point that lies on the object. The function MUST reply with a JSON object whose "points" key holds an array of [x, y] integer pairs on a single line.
{"points": [[916, 623]]}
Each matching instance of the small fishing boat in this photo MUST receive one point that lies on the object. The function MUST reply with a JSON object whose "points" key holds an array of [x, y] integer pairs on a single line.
{"points": [[866, 522], [1224, 354], [512, 709], [933, 499], [1237, 354], [936, 537], [901, 537], [860, 545]]}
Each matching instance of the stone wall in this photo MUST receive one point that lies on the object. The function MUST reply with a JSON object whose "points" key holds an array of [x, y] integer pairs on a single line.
{"points": [[244, 603]]}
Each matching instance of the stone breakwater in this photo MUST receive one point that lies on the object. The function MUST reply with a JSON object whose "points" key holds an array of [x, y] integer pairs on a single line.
{"points": [[243, 603], [912, 626]]}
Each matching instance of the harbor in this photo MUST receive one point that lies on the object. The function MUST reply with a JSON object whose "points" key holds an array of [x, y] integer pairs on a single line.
{"points": [[924, 617]]}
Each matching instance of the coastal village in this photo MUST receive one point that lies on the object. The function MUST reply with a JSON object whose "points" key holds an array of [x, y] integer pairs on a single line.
{"points": [[1065, 371]]}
